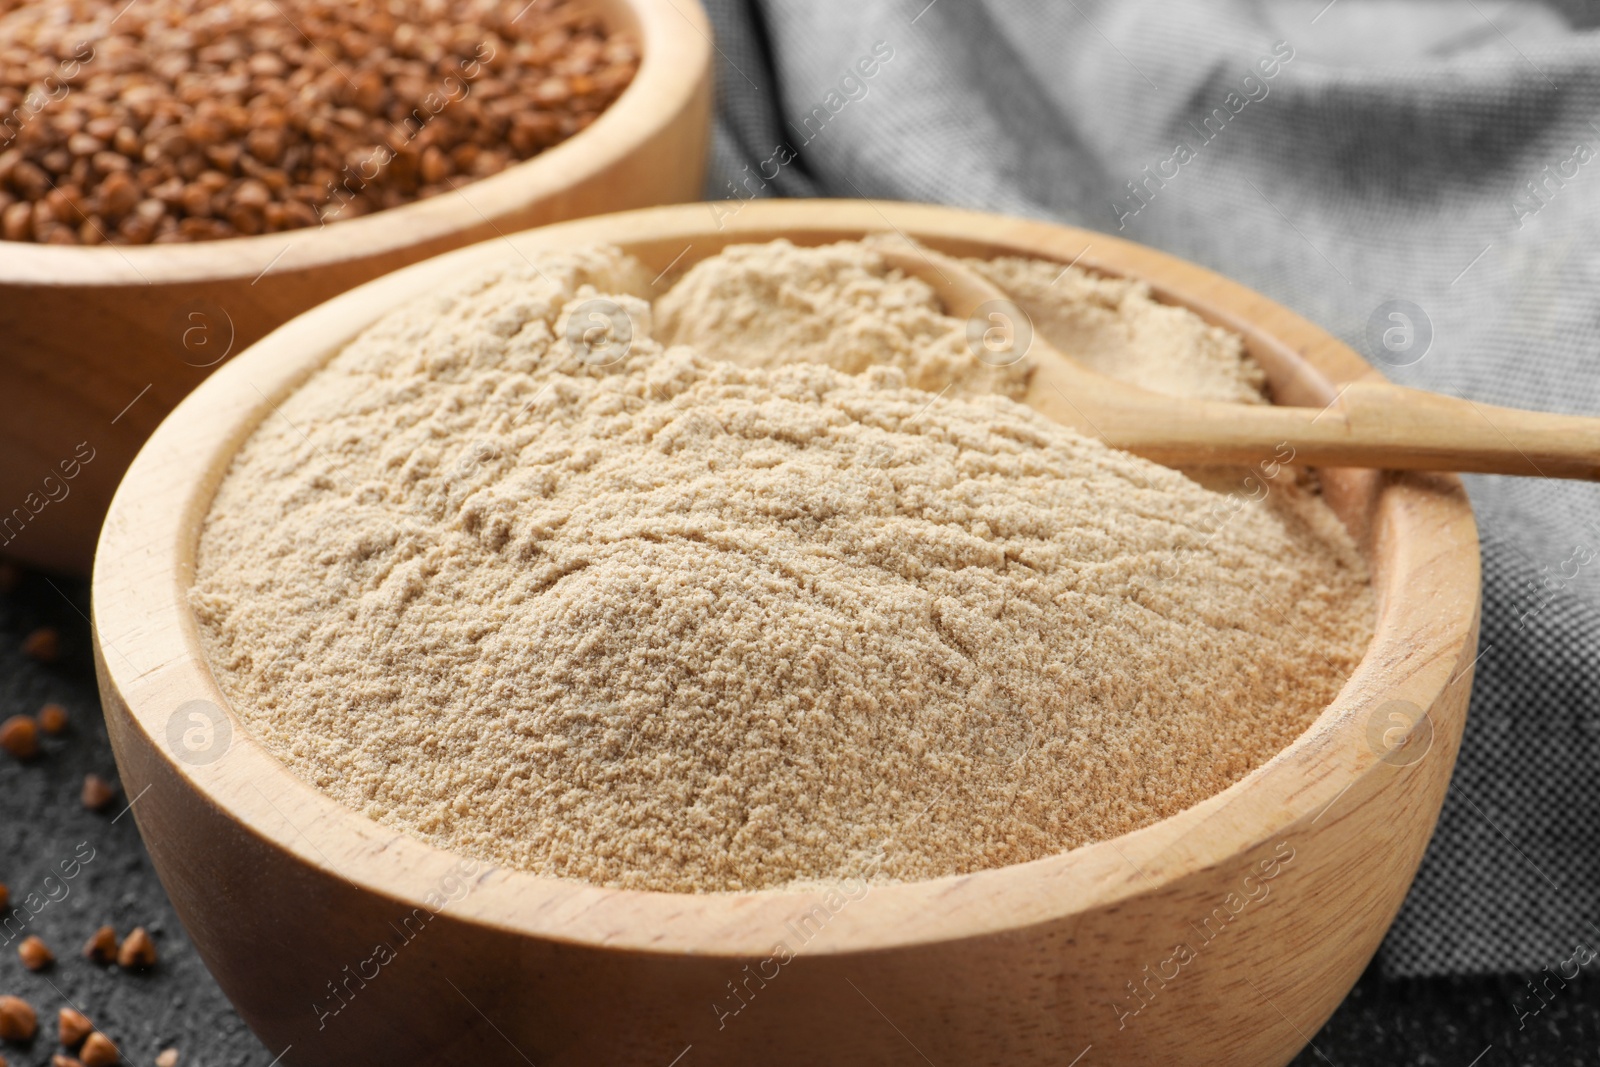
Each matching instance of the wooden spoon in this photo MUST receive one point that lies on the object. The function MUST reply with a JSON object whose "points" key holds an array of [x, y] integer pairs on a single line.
{"points": [[1369, 424]]}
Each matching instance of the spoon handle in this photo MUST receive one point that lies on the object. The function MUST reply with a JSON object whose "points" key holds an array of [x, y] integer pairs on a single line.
{"points": [[1370, 424]]}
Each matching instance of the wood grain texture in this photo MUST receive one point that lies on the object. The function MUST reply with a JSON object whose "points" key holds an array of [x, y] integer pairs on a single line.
{"points": [[282, 888], [98, 344]]}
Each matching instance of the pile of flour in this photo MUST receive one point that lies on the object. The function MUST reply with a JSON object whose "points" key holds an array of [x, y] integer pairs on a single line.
{"points": [[706, 618]]}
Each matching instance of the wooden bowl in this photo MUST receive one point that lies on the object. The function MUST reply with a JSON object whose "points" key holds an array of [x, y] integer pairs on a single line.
{"points": [[342, 941], [98, 344]]}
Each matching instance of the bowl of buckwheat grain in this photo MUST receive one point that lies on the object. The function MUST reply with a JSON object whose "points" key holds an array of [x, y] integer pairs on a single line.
{"points": [[177, 178], [654, 639]]}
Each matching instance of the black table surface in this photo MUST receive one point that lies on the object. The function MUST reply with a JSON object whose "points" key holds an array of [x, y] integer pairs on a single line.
{"points": [[1476, 1021]]}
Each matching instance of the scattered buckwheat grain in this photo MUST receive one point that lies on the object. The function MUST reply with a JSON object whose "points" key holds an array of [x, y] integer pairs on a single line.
{"points": [[17, 1020], [102, 946], [43, 644], [19, 735], [98, 1051], [35, 954], [97, 793], [137, 951], [73, 1027], [52, 718]]}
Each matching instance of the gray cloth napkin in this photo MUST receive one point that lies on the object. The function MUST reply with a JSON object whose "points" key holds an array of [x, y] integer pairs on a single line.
{"points": [[1435, 159]]}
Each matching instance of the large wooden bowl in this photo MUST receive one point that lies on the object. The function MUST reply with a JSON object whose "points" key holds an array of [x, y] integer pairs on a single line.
{"points": [[1294, 872], [98, 344]]}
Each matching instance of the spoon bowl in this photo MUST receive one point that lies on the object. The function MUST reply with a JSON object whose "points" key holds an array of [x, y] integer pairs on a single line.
{"points": [[1368, 423]]}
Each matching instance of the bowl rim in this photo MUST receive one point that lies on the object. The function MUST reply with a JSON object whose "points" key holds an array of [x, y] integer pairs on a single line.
{"points": [[675, 46], [149, 659]]}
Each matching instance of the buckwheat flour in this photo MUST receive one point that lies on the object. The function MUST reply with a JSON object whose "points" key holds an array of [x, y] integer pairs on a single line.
{"points": [[772, 304], [677, 623]]}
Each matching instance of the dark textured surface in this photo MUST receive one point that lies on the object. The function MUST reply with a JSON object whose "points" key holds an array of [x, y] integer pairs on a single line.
{"points": [[1492, 1021], [42, 824], [1441, 1021]]}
